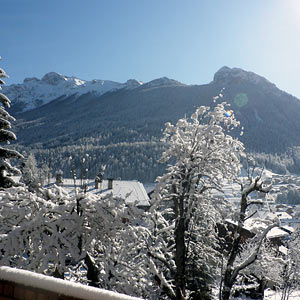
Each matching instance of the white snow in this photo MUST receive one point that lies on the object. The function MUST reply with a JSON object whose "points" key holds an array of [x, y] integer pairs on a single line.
{"points": [[279, 232], [131, 190], [276, 295], [60, 286], [283, 250], [162, 81], [34, 92]]}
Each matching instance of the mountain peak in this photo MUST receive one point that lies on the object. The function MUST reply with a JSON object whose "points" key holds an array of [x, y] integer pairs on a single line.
{"points": [[53, 78], [31, 79], [132, 83], [34, 92], [163, 81], [226, 76]]}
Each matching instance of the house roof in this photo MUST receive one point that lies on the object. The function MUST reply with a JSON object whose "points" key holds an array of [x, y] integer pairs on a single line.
{"points": [[253, 224], [283, 215], [133, 191], [130, 190], [280, 232]]}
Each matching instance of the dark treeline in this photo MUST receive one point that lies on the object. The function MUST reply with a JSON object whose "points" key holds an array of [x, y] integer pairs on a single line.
{"points": [[287, 162], [136, 160], [126, 161]]}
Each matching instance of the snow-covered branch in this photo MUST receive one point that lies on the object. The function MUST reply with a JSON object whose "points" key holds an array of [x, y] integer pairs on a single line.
{"points": [[254, 254]]}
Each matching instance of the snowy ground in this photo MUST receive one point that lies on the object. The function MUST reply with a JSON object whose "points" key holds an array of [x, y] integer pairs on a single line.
{"points": [[272, 295]]}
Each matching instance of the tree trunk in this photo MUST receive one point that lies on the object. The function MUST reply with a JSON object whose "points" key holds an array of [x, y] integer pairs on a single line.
{"points": [[231, 273], [262, 288], [92, 271], [180, 259], [180, 255], [228, 277], [57, 274], [227, 286]]}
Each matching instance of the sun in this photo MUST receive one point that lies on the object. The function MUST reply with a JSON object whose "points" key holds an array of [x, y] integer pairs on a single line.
{"points": [[293, 10]]}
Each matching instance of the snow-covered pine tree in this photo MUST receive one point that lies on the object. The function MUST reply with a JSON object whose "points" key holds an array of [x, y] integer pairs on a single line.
{"points": [[5, 137], [31, 175]]}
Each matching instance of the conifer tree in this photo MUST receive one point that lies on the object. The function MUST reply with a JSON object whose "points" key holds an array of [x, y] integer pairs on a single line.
{"points": [[31, 175], [6, 135]]}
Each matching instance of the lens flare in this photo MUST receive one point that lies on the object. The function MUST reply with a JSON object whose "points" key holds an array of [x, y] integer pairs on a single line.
{"points": [[240, 99], [228, 113]]}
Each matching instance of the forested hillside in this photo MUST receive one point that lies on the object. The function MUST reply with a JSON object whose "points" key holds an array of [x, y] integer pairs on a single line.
{"points": [[122, 128]]}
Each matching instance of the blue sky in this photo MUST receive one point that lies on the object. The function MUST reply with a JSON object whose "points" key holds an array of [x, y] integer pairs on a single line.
{"points": [[187, 40]]}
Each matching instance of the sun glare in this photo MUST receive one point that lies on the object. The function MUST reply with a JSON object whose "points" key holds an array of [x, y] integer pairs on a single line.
{"points": [[293, 7]]}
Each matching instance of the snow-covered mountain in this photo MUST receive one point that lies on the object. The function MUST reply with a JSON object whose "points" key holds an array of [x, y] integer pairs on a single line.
{"points": [[34, 92], [122, 123], [164, 81]]}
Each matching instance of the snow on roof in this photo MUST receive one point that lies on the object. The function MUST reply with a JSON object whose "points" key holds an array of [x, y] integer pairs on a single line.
{"points": [[280, 232], [130, 190], [60, 286], [253, 224], [283, 250], [283, 215]]}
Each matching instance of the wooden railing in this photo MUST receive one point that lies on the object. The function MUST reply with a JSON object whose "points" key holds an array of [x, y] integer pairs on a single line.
{"points": [[24, 285]]}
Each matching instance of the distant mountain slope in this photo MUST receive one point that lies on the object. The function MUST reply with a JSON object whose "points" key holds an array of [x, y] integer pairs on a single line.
{"points": [[271, 117], [34, 92], [126, 123]]}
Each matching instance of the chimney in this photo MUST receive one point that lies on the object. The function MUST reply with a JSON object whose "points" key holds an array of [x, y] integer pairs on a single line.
{"points": [[110, 183], [97, 183]]}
